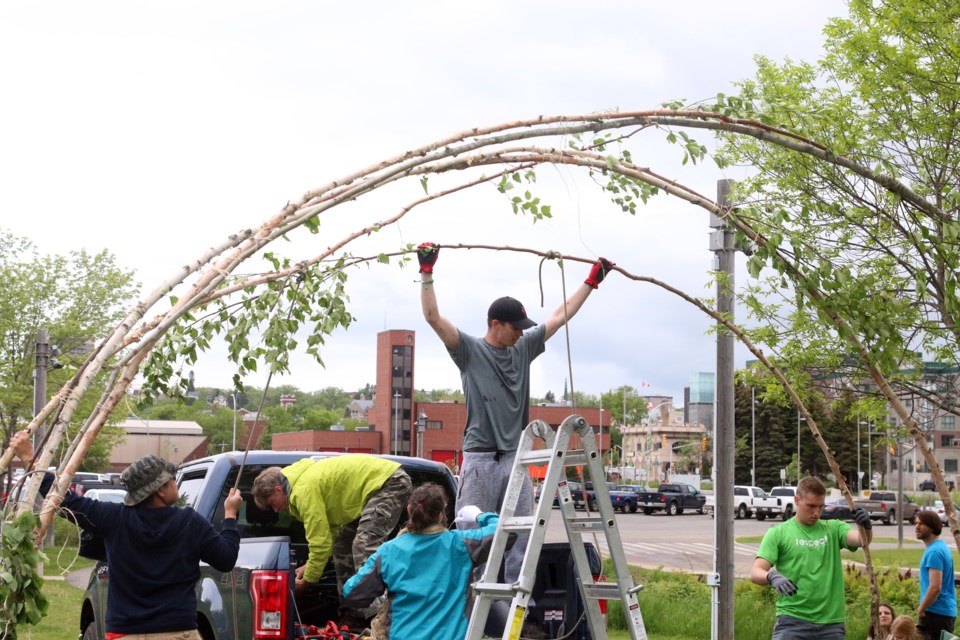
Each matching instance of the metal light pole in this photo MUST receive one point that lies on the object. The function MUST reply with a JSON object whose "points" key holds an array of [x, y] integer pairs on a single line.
{"points": [[799, 418], [753, 436], [396, 419], [610, 431], [421, 429], [722, 243], [40, 381], [869, 457], [234, 396], [859, 473]]}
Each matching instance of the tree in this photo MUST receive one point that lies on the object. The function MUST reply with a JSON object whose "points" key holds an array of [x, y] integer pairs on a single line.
{"points": [[880, 246], [615, 400], [77, 298]]}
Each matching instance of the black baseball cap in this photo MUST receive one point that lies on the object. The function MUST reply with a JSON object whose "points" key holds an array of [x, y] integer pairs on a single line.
{"points": [[507, 309]]}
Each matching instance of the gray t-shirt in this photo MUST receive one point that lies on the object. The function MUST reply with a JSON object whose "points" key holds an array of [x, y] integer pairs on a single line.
{"points": [[496, 383]]}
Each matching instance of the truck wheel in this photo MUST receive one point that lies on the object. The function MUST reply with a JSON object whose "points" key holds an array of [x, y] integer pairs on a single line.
{"points": [[761, 517], [90, 632], [672, 509], [679, 512], [633, 507], [891, 517], [742, 512], [787, 512], [647, 511]]}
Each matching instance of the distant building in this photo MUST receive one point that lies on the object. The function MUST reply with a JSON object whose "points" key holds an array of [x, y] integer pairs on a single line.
{"points": [[174, 440], [288, 400], [699, 399], [359, 409], [433, 430], [654, 447]]}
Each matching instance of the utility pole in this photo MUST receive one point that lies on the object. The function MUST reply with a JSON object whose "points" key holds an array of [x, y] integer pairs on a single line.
{"points": [[40, 381], [722, 244]]}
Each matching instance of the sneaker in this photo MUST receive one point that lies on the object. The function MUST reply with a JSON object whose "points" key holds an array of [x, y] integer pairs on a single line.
{"points": [[532, 631]]}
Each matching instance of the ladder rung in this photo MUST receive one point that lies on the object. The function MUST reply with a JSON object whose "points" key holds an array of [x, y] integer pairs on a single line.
{"points": [[605, 590], [518, 523], [496, 589], [537, 457], [575, 458], [585, 524]]}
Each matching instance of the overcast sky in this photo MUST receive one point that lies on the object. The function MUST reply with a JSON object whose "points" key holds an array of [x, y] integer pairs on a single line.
{"points": [[156, 129]]}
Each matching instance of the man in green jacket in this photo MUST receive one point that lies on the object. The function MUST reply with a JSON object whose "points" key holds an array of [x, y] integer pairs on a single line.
{"points": [[349, 505]]}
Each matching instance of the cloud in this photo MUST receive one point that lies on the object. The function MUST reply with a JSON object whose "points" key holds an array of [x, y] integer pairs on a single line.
{"points": [[157, 130]]}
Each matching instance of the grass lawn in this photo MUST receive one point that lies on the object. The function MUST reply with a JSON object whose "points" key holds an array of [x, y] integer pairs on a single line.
{"points": [[62, 621]]}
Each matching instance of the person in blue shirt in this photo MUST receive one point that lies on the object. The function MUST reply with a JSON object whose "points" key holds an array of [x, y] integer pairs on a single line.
{"points": [[426, 571], [938, 594]]}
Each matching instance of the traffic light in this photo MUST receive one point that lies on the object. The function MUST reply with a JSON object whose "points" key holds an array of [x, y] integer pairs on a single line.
{"points": [[703, 443], [663, 440]]}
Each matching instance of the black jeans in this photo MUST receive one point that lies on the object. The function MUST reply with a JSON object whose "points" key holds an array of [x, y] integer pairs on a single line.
{"points": [[931, 624]]}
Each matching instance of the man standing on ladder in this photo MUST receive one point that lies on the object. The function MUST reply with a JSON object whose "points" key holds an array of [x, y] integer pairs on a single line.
{"points": [[495, 373]]}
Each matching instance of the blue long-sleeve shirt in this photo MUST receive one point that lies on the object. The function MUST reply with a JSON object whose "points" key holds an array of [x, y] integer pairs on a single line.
{"points": [[426, 577]]}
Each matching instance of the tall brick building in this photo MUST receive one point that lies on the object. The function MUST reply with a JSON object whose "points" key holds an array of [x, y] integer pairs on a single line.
{"points": [[397, 424]]}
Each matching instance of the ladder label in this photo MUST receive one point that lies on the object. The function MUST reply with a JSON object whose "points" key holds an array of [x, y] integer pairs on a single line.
{"points": [[517, 623]]}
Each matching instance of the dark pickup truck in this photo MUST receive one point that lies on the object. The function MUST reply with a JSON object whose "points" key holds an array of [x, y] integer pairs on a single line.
{"points": [[672, 498], [626, 497], [254, 601]]}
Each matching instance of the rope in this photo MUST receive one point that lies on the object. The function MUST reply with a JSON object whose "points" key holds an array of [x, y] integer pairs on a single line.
{"points": [[566, 332]]}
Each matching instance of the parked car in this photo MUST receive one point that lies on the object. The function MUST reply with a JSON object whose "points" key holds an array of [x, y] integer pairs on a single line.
{"points": [[576, 495], [928, 485], [106, 495], [673, 498], [836, 509], [786, 495], [256, 599], [748, 501], [939, 508], [882, 505], [626, 497]]}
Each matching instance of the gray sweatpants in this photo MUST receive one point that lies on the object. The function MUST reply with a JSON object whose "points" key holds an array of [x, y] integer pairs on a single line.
{"points": [[483, 482]]}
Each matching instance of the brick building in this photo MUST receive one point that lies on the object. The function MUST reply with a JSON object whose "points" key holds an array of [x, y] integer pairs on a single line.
{"points": [[398, 424]]}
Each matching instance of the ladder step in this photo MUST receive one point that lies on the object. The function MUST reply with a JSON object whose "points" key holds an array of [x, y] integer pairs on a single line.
{"points": [[496, 589], [585, 524], [537, 457], [518, 523], [606, 590]]}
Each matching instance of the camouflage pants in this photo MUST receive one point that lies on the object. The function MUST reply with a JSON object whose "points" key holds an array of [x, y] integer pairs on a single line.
{"points": [[358, 540]]}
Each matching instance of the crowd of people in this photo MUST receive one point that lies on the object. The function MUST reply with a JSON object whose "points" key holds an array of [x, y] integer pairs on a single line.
{"points": [[800, 559], [350, 506]]}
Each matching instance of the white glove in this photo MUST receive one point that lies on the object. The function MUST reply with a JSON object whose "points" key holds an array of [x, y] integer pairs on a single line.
{"points": [[467, 515]]}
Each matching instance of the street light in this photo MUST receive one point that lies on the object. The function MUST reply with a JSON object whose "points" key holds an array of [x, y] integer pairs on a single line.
{"points": [[421, 428], [753, 436], [234, 396], [396, 416], [799, 419]]}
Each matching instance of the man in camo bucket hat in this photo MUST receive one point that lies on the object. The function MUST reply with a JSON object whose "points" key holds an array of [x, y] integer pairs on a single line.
{"points": [[144, 477], [153, 547]]}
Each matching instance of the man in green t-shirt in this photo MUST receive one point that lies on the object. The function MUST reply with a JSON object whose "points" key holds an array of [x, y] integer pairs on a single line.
{"points": [[809, 575]]}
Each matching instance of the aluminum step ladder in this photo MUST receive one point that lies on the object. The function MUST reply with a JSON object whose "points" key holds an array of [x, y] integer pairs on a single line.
{"points": [[557, 455]]}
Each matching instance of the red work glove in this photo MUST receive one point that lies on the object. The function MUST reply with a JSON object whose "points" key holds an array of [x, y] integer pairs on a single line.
{"points": [[427, 253], [598, 271]]}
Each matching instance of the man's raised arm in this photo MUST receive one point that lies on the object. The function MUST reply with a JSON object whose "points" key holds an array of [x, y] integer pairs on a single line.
{"points": [[427, 255], [567, 310]]}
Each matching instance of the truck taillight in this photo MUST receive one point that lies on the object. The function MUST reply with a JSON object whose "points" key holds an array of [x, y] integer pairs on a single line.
{"points": [[663, 498], [269, 590], [602, 603]]}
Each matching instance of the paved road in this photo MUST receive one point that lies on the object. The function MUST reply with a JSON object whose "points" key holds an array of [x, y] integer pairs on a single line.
{"points": [[684, 542]]}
